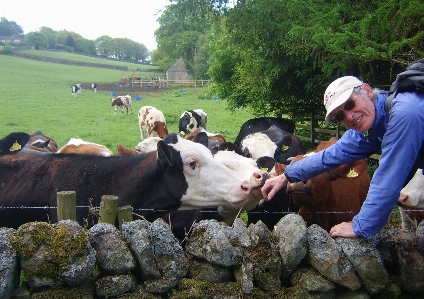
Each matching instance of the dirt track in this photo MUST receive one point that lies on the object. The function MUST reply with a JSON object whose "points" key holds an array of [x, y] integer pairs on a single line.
{"points": [[115, 87]]}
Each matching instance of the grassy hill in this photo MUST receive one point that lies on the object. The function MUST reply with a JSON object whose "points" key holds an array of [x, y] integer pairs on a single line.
{"points": [[36, 95]]}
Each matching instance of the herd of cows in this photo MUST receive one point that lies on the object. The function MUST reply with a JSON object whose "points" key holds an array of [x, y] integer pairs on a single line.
{"points": [[184, 177]]}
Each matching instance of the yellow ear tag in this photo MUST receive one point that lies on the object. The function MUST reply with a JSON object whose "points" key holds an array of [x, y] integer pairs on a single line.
{"points": [[264, 168], [15, 147], [284, 148], [352, 173]]}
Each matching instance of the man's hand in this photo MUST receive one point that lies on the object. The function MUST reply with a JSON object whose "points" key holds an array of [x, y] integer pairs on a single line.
{"points": [[273, 185], [343, 229]]}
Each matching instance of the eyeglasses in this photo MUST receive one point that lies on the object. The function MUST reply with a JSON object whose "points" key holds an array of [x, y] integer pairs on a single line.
{"points": [[348, 106]]}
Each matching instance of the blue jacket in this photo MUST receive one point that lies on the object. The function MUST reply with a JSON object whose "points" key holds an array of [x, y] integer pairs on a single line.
{"points": [[400, 138]]}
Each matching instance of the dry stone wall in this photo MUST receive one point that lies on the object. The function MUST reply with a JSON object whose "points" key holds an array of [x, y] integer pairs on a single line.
{"points": [[145, 260], [70, 62]]}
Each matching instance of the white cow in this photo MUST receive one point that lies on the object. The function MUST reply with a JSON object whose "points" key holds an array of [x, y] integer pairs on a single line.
{"points": [[244, 167], [411, 201]]}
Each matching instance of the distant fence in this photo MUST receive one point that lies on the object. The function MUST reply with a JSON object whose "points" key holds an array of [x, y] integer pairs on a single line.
{"points": [[162, 82]]}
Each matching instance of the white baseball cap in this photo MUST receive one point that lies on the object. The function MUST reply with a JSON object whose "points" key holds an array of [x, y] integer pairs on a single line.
{"points": [[339, 92]]}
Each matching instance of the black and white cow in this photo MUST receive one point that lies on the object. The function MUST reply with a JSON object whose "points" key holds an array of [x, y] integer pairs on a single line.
{"points": [[273, 142], [94, 87], [190, 120], [261, 124], [76, 89], [181, 174]]}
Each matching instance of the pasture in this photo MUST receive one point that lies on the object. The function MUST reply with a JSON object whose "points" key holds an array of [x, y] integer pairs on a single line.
{"points": [[36, 95]]}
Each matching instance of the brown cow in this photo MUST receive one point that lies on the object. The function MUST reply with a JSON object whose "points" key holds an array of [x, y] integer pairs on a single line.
{"points": [[40, 142], [213, 139], [334, 196]]}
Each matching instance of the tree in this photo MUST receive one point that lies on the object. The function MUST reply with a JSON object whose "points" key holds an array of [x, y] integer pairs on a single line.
{"points": [[201, 57], [181, 24], [37, 40], [278, 56], [50, 35], [10, 28], [70, 42]]}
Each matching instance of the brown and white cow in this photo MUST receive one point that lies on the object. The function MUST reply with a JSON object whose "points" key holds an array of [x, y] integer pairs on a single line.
{"points": [[181, 174], [122, 102], [152, 122], [411, 201], [334, 196], [79, 146], [39, 141]]}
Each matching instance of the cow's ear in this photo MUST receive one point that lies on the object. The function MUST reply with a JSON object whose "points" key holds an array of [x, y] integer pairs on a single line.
{"points": [[350, 170], [13, 143], [265, 163], [164, 155], [201, 138]]}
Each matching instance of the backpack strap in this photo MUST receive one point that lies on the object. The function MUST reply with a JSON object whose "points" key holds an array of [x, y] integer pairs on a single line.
{"points": [[388, 102]]}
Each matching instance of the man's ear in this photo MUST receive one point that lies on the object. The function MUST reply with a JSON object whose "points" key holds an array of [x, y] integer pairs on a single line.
{"points": [[369, 90]]}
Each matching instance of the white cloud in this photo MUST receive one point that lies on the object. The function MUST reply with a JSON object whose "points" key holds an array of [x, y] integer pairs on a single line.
{"points": [[132, 19]]}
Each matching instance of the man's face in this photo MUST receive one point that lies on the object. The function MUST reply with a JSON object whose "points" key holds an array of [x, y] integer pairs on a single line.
{"points": [[358, 111]]}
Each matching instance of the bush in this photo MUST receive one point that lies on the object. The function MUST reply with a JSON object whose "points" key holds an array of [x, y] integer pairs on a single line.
{"points": [[7, 50]]}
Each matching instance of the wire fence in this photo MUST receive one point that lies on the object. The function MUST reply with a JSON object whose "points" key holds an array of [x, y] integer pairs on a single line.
{"points": [[206, 211]]}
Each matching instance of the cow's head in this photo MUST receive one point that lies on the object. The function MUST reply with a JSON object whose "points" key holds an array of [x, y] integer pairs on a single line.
{"points": [[13, 143]]}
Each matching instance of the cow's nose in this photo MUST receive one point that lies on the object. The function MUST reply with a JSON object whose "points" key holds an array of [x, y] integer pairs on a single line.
{"points": [[246, 188], [260, 177], [402, 199]]}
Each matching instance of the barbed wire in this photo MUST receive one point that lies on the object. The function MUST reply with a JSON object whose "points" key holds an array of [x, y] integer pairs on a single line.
{"points": [[208, 211]]}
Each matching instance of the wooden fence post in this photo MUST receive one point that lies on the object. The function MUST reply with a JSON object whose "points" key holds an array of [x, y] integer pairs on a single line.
{"points": [[108, 209], [66, 205], [124, 215]]}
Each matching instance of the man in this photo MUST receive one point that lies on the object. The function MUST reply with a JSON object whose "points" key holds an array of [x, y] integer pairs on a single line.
{"points": [[399, 136]]}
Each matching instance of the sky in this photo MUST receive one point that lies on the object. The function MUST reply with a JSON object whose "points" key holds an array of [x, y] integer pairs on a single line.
{"points": [[132, 19]]}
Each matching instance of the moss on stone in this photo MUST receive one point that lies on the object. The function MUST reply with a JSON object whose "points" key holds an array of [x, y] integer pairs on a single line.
{"points": [[29, 237]]}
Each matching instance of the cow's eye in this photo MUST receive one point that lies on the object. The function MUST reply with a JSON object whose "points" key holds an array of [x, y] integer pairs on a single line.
{"points": [[193, 164]]}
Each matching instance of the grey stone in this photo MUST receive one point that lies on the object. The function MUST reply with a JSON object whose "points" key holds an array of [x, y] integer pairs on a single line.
{"points": [[292, 242], [328, 258], [9, 265], [311, 280], [367, 262], [215, 242], [113, 254], [113, 286], [137, 235], [410, 260]]}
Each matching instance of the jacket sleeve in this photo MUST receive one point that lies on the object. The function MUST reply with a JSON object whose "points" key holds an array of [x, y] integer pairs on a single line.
{"points": [[351, 147]]}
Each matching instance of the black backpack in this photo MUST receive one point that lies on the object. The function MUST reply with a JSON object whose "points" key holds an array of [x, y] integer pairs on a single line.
{"points": [[412, 79]]}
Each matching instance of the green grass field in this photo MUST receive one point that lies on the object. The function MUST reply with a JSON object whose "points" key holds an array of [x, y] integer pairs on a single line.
{"points": [[36, 95]]}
